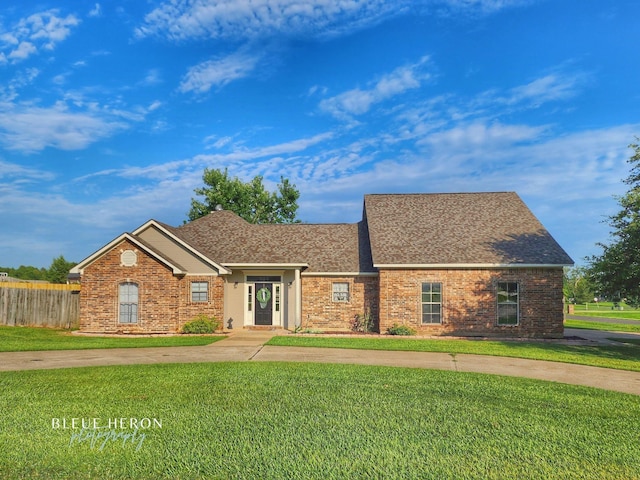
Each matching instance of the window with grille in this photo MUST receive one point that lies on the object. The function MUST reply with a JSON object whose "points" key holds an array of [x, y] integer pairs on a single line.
{"points": [[508, 303], [340, 292], [431, 303], [199, 291], [128, 301]]}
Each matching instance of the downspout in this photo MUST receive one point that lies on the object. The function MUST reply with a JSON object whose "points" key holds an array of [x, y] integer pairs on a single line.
{"points": [[298, 300]]}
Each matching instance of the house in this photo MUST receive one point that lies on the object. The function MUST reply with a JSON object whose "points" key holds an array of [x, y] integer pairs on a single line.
{"points": [[468, 264]]}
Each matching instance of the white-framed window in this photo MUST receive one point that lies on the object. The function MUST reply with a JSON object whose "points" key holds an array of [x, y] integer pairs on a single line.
{"points": [[508, 303], [199, 291], [340, 292], [431, 300], [128, 302]]}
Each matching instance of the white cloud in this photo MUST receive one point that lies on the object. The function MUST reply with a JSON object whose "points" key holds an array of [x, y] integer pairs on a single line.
{"points": [[551, 87], [478, 134], [96, 11], [24, 50], [41, 30], [358, 101], [180, 20], [253, 19], [21, 174], [31, 129], [218, 73], [154, 105]]}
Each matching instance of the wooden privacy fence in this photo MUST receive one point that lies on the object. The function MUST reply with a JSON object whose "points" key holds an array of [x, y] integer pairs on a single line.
{"points": [[39, 304]]}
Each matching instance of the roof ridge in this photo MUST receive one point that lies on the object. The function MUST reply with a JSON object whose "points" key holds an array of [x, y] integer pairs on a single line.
{"points": [[436, 193]]}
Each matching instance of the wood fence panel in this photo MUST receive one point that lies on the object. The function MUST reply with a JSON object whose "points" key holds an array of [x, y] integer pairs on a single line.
{"points": [[42, 305]]}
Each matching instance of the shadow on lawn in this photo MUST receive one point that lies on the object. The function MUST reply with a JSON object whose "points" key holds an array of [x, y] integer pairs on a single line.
{"points": [[612, 352]]}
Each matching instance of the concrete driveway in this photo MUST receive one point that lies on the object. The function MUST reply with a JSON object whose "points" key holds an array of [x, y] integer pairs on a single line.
{"points": [[249, 346]]}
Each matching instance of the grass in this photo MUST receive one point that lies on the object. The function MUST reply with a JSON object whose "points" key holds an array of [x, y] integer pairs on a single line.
{"points": [[308, 421], [589, 325], [619, 357], [622, 315], [606, 309], [631, 341], [20, 339]]}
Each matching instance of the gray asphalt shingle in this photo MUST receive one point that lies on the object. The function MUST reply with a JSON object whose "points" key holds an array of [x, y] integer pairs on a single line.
{"points": [[403, 229]]}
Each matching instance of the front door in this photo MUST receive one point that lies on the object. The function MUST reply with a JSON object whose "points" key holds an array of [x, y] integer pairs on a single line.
{"points": [[264, 304]]}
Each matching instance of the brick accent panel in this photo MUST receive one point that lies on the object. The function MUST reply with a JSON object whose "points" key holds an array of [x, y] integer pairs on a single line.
{"points": [[321, 312], [164, 300], [469, 301]]}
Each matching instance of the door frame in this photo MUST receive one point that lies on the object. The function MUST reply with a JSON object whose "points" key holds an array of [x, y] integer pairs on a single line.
{"points": [[277, 297]]}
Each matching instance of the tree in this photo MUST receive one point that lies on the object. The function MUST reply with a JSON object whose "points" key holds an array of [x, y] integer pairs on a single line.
{"points": [[25, 272], [616, 272], [59, 270], [577, 286], [249, 200]]}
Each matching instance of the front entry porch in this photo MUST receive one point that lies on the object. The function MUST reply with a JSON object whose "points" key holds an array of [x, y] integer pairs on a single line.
{"points": [[262, 299]]}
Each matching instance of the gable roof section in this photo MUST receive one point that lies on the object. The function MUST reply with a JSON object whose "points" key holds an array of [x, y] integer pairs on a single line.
{"points": [[458, 229], [169, 232], [323, 248], [144, 246]]}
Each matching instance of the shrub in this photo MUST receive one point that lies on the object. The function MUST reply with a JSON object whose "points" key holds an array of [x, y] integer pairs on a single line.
{"points": [[400, 330], [201, 324], [363, 323]]}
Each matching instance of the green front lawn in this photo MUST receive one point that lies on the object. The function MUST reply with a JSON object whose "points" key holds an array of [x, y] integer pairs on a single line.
{"points": [[613, 327], [625, 315], [310, 421], [606, 309], [622, 357], [20, 339]]}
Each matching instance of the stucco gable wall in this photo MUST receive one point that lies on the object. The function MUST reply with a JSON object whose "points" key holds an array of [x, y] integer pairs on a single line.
{"points": [[167, 246]]}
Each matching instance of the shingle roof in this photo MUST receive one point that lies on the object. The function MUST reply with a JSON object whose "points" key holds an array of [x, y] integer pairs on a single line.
{"points": [[458, 228], [228, 239], [405, 229]]}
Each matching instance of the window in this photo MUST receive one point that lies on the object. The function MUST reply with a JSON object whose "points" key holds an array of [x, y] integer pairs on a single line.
{"points": [[277, 297], [340, 292], [128, 300], [508, 303], [431, 303], [250, 297], [199, 291]]}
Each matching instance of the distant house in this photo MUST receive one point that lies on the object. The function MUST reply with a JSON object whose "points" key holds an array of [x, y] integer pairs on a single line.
{"points": [[444, 264]]}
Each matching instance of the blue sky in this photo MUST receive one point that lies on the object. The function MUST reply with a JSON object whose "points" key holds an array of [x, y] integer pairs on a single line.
{"points": [[110, 111]]}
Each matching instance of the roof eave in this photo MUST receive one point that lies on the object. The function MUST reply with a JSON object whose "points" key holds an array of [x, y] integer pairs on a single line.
{"points": [[266, 265], [217, 266], [79, 268], [340, 274], [468, 265]]}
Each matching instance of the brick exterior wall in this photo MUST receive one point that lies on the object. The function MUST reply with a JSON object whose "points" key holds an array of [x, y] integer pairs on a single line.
{"points": [[319, 311], [164, 300], [469, 301]]}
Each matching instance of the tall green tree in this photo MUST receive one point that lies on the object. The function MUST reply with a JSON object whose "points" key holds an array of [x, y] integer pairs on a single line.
{"points": [[250, 200], [616, 272], [577, 287], [26, 272], [59, 270]]}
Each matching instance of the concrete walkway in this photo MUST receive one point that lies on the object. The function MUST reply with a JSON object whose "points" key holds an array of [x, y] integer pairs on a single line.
{"points": [[249, 346]]}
